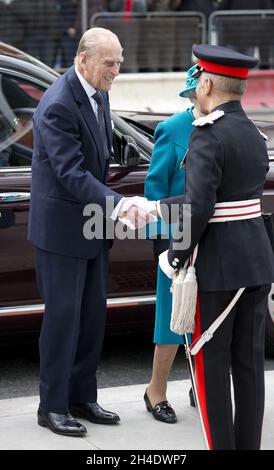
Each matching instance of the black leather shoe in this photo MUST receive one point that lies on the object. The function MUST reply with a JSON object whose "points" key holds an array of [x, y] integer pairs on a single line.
{"points": [[64, 424], [94, 413], [191, 398], [162, 411]]}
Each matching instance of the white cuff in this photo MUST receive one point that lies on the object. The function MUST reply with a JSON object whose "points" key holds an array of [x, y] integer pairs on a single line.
{"points": [[127, 222], [114, 213], [165, 266]]}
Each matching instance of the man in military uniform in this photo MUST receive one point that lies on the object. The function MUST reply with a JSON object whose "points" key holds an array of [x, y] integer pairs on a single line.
{"points": [[227, 163]]}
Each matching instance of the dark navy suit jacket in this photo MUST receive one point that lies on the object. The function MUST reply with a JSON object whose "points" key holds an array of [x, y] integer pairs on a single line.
{"points": [[68, 169]]}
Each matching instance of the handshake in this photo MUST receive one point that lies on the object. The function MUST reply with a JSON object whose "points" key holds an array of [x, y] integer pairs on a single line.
{"points": [[136, 211]]}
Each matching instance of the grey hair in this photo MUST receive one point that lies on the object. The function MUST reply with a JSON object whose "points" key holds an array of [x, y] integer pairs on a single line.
{"points": [[226, 85], [92, 41], [191, 95]]}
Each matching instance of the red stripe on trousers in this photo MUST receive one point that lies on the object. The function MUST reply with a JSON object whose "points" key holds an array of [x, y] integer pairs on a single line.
{"points": [[200, 375]]}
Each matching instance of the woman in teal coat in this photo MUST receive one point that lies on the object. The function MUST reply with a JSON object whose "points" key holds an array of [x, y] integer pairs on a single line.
{"points": [[166, 178]]}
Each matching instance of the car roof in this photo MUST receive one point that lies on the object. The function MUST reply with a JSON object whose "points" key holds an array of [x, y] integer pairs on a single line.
{"points": [[19, 58]]}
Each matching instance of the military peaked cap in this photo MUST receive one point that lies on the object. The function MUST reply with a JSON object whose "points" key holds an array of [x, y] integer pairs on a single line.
{"points": [[222, 61]]}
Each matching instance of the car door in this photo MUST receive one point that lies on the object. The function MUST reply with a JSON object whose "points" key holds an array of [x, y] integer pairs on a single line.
{"points": [[132, 268], [19, 97]]}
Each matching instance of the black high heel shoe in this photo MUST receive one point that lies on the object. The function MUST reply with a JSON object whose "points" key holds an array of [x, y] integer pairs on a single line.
{"points": [[191, 398], [162, 411]]}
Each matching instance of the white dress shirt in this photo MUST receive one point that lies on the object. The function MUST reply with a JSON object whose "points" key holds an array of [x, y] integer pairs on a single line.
{"points": [[90, 91]]}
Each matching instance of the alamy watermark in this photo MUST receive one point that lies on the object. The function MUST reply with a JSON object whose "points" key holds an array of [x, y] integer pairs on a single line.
{"points": [[100, 226]]}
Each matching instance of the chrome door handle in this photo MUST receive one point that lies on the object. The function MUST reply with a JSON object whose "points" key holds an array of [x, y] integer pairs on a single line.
{"points": [[14, 197]]}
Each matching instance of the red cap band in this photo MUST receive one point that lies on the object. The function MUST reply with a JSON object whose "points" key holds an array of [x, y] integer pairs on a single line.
{"points": [[236, 72]]}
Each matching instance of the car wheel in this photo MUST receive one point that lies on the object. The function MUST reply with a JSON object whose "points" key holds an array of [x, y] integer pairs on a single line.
{"points": [[269, 333]]}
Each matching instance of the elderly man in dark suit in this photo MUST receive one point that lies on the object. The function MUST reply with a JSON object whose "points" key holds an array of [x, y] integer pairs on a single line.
{"points": [[72, 142]]}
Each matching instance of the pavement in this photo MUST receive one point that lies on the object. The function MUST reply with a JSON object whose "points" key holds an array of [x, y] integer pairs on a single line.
{"points": [[137, 430]]}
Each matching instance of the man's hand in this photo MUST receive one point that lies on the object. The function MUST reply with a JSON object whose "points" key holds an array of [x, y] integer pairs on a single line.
{"points": [[136, 212]]}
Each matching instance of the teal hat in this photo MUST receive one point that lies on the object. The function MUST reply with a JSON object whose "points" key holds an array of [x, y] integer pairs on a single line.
{"points": [[191, 82]]}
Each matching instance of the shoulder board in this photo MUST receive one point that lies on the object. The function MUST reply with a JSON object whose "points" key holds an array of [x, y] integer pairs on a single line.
{"points": [[264, 136], [208, 119]]}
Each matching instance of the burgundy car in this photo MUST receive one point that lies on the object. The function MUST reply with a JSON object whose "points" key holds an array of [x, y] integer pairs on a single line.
{"points": [[131, 294]]}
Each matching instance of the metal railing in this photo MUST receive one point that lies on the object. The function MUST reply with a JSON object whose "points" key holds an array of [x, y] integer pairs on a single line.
{"points": [[250, 32], [155, 42], [152, 41]]}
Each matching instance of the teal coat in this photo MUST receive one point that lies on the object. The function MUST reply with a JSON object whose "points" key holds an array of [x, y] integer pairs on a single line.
{"points": [[166, 178]]}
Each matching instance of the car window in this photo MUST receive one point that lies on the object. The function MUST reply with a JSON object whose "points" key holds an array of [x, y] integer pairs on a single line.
{"points": [[18, 100]]}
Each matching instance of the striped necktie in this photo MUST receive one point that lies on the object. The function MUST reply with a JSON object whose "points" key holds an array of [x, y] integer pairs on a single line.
{"points": [[100, 109], [101, 121]]}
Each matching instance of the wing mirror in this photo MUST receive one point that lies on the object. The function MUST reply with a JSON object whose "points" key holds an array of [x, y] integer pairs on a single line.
{"points": [[130, 154]]}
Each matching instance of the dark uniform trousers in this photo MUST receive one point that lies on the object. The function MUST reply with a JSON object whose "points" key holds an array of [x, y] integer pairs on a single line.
{"points": [[237, 346], [72, 334]]}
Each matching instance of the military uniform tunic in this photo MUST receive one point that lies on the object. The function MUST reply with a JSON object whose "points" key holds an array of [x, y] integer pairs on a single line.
{"points": [[227, 161]]}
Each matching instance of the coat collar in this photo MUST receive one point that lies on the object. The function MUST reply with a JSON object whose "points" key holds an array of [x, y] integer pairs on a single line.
{"points": [[229, 107], [82, 99], [89, 89]]}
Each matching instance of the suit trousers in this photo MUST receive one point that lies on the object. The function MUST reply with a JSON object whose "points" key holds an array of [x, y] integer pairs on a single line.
{"points": [[237, 347], [74, 291]]}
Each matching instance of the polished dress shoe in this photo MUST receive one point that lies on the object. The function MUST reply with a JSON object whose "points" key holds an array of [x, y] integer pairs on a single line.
{"points": [[94, 413], [162, 411], [191, 398], [63, 424]]}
